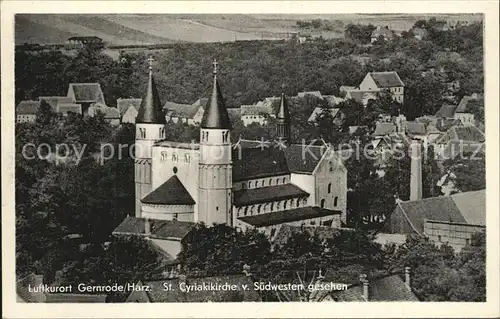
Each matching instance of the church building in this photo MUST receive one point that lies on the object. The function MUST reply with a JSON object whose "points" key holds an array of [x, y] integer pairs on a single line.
{"points": [[244, 184]]}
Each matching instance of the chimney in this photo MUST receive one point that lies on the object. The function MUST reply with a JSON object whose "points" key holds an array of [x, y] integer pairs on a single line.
{"points": [[147, 227], [365, 290], [416, 170], [408, 277]]}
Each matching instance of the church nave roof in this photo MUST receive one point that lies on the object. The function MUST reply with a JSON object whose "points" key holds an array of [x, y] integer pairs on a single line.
{"points": [[287, 216], [267, 194], [160, 229]]}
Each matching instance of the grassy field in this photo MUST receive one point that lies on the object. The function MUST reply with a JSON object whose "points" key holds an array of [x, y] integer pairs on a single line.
{"points": [[140, 29]]}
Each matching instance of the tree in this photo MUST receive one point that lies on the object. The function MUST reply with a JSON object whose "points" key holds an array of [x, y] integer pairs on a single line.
{"points": [[469, 172]]}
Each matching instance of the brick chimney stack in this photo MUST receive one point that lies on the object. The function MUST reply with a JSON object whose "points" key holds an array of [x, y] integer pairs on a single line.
{"points": [[416, 170]]}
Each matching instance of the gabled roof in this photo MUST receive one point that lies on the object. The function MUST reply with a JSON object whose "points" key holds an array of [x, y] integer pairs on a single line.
{"points": [[86, 92], [446, 111], [27, 107], [315, 93], [386, 79], [305, 159], [462, 133], [360, 96], [287, 216], [201, 102], [464, 102], [317, 111], [124, 104], [215, 115], [157, 292], [386, 288], [467, 208], [181, 110], [54, 101], [384, 129], [415, 128], [172, 192], [251, 163], [64, 108], [332, 100], [151, 110], [160, 229], [267, 194], [255, 110]]}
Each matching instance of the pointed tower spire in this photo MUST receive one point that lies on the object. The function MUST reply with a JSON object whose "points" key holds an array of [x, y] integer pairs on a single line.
{"points": [[283, 121], [151, 109], [215, 115]]}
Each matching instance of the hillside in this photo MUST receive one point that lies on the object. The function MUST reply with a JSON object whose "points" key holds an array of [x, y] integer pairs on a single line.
{"points": [[129, 29]]}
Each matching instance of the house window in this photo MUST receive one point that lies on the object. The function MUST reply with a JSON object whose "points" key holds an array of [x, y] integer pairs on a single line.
{"points": [[335, 201], [323, 203], [439, 238], [467, 241], [329, 188], [243, 186]]}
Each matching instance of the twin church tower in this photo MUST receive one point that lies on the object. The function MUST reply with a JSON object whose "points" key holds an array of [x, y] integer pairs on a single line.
{"points": [[215, 184]]}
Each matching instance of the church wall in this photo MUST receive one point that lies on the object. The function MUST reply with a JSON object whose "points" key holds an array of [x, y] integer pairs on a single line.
{"points": [[169, 212], [307, 183], [331, 184], [165, 159], [262, 182]]}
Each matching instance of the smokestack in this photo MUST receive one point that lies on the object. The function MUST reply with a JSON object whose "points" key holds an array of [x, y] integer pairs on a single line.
{"points": [[407, 277], [416, 170], [147, 227], [365, 290]]}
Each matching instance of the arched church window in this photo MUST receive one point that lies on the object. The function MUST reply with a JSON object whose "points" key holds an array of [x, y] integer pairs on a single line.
{"points": [[249, 184], [284, 205], [322, 203], [270, 182], [335, 201], [174, 157], [298, 202], [163, 156], [246, 210], [262, 184], [272, 206], [256, 184], [187, 158], [258, 209], [284, 180], [278, 205], [329, 188], [273, 231]]}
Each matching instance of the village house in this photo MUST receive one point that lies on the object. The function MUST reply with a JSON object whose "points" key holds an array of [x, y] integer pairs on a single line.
{"points": [[389, 287], [383, 33], [459, 112], [86, 94], [335, 113], [128, 109], [384, 81], [459, 140], [111, 114], [26, 111], [445, 219], [259, 112]]}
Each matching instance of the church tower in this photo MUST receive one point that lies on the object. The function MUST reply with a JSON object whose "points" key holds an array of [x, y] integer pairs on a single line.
{"points": [[215, 166], [149, 128], [283, 133]]}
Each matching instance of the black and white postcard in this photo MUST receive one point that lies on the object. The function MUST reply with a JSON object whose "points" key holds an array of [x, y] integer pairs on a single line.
{"points": [[261, 159]]}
